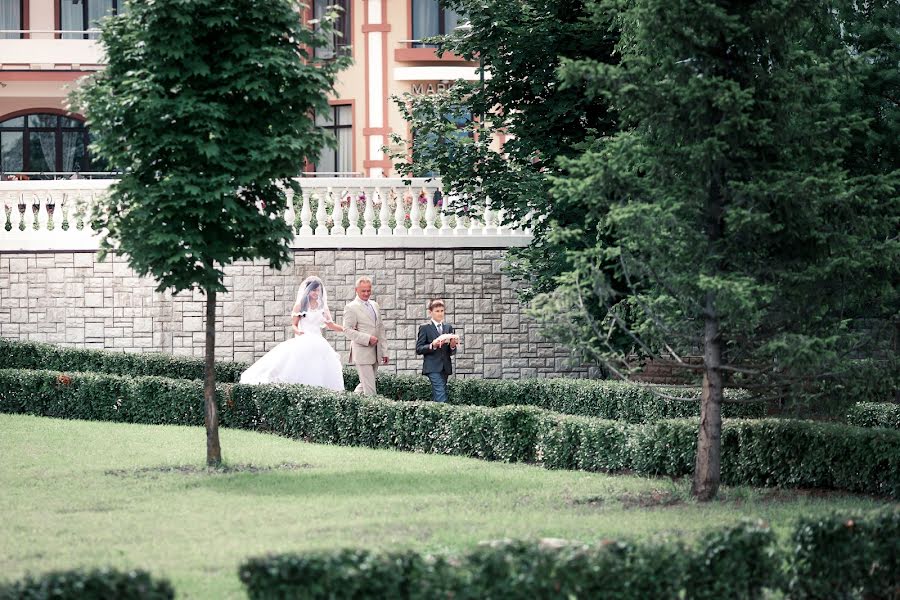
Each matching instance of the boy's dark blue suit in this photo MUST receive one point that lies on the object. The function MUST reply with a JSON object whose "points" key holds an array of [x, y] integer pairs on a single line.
{"points": [[436, 362]]}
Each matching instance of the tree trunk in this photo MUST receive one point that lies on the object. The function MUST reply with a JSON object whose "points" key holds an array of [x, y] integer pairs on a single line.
{"points": [[213, 450], [708, 467]]}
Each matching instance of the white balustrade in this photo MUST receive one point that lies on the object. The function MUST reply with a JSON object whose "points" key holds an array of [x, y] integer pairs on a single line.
{"points": [[353, 215], [290, 214], [321, 216], [369, 216], [305, 216], [383, 212], [399, 215], [415, 227], [338, 213], [56, 215]]}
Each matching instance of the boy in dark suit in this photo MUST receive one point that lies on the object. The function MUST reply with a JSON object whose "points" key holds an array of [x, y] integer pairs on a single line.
{"points": [[437, 343]]}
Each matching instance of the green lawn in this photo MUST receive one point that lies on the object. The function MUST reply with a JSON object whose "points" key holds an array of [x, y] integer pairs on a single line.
{"points": [[76, 493]]}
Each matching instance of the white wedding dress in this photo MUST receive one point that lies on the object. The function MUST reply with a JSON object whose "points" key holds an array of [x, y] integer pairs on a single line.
{"points": [[308, 359]]}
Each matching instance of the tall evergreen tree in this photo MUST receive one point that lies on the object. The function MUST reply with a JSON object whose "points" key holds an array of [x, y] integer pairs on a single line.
{"points": [[206, 106], [729, 207]]}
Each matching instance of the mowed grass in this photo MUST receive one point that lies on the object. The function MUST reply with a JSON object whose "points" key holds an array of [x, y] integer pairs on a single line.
{"points": [[76, 493]]}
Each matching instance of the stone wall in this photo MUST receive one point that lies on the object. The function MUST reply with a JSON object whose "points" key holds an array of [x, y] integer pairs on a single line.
{"points": [[69, 298]]}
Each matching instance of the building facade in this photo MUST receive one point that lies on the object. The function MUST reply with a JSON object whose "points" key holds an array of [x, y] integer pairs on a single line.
{"points": [[46, 46]]}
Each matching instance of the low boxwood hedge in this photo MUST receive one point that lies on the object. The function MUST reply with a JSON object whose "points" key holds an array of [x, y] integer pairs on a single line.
{"points": [[737, 563], [93, 584], [875, 414], [18, 354], [615, 400], [767, 452], [846, 556]]}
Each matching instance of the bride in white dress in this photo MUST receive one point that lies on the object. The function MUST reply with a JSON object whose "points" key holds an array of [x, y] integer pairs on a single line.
{"points": [[306, 358]]}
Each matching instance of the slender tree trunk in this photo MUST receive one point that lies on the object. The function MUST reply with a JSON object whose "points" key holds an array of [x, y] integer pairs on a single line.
{"points": [[708, 465], [707, 470], [213, 450]]}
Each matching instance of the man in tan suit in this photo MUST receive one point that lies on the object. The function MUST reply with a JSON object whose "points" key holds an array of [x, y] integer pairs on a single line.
{"points": [[365, 328]]}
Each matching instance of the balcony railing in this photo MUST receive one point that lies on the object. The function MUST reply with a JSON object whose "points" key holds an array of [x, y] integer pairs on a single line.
{"points": [[330, 213], [42, 48]]}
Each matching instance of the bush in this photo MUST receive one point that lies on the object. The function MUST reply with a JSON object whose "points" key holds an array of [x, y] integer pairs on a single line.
{"points": [[875, 414], [737, 563], [765, 452], [16, 354], [99, 584], [846, 556], [614, 400]]}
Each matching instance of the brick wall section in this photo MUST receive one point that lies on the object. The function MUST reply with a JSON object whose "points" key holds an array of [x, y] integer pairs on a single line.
{"points": [[71, 299]]}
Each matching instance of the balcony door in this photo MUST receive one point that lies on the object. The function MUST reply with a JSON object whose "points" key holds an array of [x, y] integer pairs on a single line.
{"points": [[12, 18], [42, 143], [76, 16]]}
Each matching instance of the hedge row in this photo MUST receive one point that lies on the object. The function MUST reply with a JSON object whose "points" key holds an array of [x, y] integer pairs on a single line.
{"points": [[766, 452], [845, 556], [833, 557], [875, 414], [734, 564], [18, 354], [614, 400], [95, 584], [838, 556]]}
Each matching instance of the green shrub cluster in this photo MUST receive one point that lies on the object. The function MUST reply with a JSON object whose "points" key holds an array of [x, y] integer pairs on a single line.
{"points": [[765, 452], [846, 556], [875, 414], [17, 354], [615, 400], [737, 563], [95, 584]]}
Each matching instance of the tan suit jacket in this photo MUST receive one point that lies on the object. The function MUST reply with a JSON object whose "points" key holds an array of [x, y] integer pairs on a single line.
{"points": [[359, 326]]}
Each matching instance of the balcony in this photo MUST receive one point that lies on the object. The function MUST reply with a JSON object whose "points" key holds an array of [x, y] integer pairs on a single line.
{"points": [[330, 213], [414, 51], [41, 52]]}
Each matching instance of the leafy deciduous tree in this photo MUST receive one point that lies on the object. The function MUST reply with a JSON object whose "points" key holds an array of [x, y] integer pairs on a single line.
{"points": [[206, 107]]}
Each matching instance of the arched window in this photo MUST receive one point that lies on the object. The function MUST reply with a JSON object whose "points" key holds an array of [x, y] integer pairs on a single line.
{"points": [[43, 142]]}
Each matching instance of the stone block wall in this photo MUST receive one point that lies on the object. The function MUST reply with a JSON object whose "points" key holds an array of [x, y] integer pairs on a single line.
{"points": [[69, 298]]}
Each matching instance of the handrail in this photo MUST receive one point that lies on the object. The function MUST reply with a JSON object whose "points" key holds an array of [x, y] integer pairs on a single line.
{"points": [[333, 212]]}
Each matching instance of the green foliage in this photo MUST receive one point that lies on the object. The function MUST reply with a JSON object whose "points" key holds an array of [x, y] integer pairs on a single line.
{"points": [[846, 556], [207, 135], [741, 558], [766, 452], [727, 196], [520, 43], [95, 584], [604, 399], [617, 400], [19, 354], [875, 414]]}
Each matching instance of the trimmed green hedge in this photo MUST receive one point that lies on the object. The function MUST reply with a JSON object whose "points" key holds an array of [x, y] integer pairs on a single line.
{"points": [[737, 563], [846, 556], [615, 400], [875, 414], [17, 354], [94, 584], [766, 452]]}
